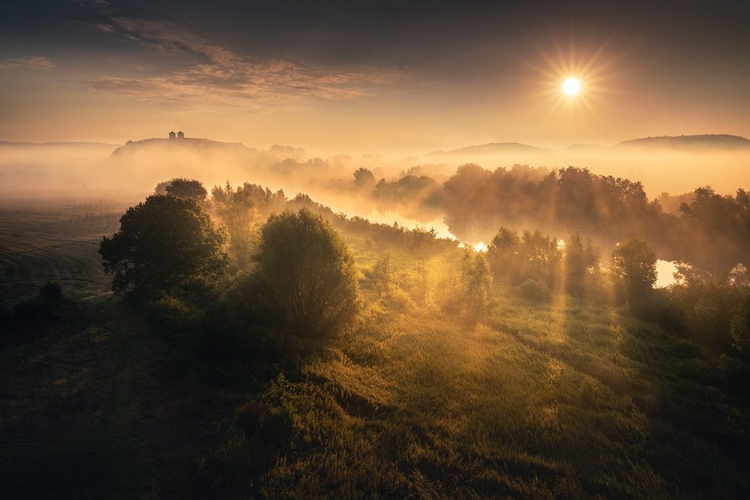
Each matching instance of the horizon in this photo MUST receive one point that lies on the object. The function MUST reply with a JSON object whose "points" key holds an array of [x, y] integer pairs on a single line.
{"points": [[339, 77], [453, 149]]}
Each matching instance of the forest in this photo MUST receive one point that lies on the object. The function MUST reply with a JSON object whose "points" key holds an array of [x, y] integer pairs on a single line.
{"points": [[262, 346]]}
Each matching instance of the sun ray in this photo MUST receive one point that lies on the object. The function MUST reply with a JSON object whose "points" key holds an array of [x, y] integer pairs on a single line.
{"points": [[584, 103]]}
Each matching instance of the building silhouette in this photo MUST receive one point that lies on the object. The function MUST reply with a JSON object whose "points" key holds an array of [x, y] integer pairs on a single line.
{"points": [[172, 135]]}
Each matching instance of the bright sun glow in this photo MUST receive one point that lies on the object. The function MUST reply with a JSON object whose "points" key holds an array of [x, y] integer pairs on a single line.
{"points": [[572, 86]]}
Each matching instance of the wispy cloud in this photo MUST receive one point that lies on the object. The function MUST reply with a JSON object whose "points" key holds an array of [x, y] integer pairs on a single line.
{"points": [[31, 62], [225, 77]]}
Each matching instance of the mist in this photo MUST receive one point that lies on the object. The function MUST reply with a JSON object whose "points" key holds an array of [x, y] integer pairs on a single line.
{"points": [[503, 185]]}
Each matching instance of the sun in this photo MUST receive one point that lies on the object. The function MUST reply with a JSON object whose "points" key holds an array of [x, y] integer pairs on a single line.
{"points": [[573, 83], [572, 86]]}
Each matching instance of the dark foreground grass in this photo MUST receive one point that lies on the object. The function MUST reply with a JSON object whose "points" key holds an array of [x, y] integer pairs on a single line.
{"points": [[95, 409], [558, 401]]}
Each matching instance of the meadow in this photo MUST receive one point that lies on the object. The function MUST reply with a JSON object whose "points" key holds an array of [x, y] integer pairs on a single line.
{"points": [[531, 399]]}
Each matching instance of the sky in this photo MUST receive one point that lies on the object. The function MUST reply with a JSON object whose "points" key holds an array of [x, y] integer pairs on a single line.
{"points": [[362, 75]]}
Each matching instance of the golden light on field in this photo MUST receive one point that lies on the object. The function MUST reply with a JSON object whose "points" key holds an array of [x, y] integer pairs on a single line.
{"points": [[572, 86]]}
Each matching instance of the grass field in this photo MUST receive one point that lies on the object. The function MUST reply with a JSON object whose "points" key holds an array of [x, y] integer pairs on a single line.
{"points": [[553, 400], [55, 239]]}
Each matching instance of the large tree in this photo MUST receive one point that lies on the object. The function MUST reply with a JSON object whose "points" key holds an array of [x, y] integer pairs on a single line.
{"points": [[310, 272], [164, 244]]}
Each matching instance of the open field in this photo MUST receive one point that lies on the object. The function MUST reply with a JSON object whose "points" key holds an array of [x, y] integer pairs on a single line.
{"points": [[55, 239]]}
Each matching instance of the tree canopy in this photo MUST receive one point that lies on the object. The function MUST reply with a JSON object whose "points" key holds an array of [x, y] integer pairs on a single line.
{"points": [[634, 265], [182, 187], [163, 244], [310, 272]]}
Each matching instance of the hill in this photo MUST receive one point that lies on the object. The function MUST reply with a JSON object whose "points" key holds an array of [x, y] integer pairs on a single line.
{"points": [[492, 148], [682, 142], [686, 142], [186, 144]]}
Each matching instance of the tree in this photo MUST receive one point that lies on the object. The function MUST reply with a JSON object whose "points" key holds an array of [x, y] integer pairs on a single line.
{"points": [[163, 244], [477, 281], [363, 178], [503, 253], [634, 266], [242, 210], [581, 265], [182, 187], [310, 272]]}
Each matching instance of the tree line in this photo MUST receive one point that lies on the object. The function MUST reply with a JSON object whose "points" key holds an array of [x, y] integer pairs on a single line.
{"points": [[704, 229], [286, 263]]}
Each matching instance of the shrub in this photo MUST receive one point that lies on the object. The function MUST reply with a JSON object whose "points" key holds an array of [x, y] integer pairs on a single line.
{"points": [[171, 312], [310, 272]]}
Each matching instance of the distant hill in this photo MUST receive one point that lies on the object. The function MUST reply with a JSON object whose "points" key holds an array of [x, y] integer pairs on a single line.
{"points": [[491, 148], [198, 145], [713, 141], [681, 142]]}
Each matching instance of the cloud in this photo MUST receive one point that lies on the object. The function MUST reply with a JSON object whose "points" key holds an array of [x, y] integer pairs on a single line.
{"points": [[31, 62], [221, 76]]}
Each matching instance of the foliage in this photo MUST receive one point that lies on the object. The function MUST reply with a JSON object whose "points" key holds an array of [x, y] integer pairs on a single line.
{"points": [[382, 273], [182, 187], [363, 178], [720, 229], [713, 310], [249, 299], [740, 327], [712, 231], [310, 272], [412, 196], [242, 210], [476, 278], [634, 268], [504, 253], [164, 244], [532, 256], [581, 265]]}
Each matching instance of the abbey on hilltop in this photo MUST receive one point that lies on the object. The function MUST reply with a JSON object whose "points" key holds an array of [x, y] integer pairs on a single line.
{"points": [[178, 135]]}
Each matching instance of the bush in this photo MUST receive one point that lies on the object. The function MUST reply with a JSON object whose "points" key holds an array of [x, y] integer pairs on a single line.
{"points": [[310, 273], [535, 291], [173, 313], [657, 307], [740, 328]]}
